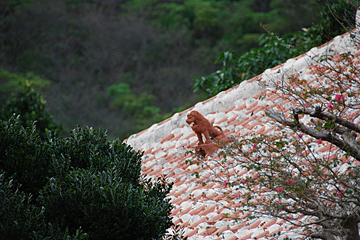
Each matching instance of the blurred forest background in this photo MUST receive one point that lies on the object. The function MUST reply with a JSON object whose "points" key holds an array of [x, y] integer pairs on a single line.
{"points": [[126, 64]]}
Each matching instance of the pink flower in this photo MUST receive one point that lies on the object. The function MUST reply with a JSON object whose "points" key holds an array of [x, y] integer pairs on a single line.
{"points": [[279, 189], [243, 181], [299, 136], [226, 183], [254, 147], [329, 106], [278, 202], [319, 141], [339, 97], [341, 193], [290, 181], [306, 105], [256, 176]]}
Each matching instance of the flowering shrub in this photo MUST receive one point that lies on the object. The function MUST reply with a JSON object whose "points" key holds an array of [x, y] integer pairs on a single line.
{"points": [[286, 176], [324, 186]]}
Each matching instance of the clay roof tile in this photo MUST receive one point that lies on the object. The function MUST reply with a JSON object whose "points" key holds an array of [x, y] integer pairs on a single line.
{"points": [[192, 232], [200, 204]]}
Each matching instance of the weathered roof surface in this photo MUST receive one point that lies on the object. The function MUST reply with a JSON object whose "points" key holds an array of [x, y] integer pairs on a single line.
{"points": [[202, 209]]}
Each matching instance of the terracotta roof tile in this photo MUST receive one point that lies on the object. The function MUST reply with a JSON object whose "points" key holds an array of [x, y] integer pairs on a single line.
{"points": [[186, 211], [167, 138], [201, 205], [261, 235], [208, 231], [240, 107], [229, 109], [269, 223], [207, 210], [248, 236], [145, 169], [190, 136], [178, 200], [217, 217], [233, 238], [198, 222], [180, 182], [191, 233], [179, 193], [148, 151], [275, 231], [154, 172], [223, 229], [250, 108], [224, 119], [198, 210], [254, 224]]}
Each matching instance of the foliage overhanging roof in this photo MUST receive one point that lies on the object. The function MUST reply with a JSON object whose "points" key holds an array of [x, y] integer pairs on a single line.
{"points": [[201, 206]]}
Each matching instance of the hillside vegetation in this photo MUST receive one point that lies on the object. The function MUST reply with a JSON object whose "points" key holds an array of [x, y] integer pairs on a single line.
{"points": [[79, 187], [125, 65]]}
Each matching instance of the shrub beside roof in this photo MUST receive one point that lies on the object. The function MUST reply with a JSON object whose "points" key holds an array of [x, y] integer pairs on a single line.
{"points": [[79, 187]]}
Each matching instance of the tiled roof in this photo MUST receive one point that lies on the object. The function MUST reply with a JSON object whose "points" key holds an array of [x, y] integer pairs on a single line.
{"points": [[201, 207]]}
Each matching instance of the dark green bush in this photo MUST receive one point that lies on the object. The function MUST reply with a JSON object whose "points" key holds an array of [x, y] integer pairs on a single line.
{"points": [[90, 149], [30, 105], [83, 181], [16, 211], [20, 219], [98, 188], [106, 206], [24, 156]]}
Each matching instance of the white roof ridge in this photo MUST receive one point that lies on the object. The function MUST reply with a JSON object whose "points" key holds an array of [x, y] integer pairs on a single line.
{"points": [[245, 90]]}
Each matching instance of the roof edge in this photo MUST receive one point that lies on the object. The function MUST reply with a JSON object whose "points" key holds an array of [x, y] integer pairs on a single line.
{"points": [[245, 90]]}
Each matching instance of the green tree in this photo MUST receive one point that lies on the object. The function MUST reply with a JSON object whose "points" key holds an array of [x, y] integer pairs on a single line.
{"points": [[158, 45], [274, 50], [31, 106], [76, 187], [11, 82]]}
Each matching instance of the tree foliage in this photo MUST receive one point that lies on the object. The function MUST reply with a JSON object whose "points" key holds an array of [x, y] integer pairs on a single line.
{"points": [[275, 50], [78, 187], [31, 106], [156, 47]]}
